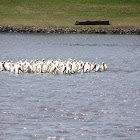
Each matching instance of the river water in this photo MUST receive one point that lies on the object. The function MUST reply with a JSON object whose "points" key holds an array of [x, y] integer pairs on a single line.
{"points": [[99, 106]]}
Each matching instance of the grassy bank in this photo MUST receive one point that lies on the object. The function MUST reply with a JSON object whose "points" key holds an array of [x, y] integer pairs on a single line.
{"points": [[64, 13]]}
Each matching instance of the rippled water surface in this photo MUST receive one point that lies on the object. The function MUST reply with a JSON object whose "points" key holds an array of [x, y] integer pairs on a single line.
{"points": [[101, 106]]}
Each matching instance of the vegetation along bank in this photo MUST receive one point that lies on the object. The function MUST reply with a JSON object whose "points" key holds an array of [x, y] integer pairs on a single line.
{"points": [[22, 29]]}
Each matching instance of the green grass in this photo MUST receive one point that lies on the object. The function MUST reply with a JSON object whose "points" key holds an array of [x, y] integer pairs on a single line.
{"points": [[64, 13]]}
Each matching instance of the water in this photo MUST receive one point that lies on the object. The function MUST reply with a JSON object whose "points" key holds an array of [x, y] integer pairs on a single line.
{"points": [[100, 106]]}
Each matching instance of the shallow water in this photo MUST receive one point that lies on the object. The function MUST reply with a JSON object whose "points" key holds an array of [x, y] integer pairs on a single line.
{"points": [[102, 106]]}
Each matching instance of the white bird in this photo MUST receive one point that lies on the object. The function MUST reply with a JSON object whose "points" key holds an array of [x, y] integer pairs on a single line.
{"points": [[103, 67], [7, 65], [68, 69], [12, 68], [97, 68], [1, 66], [54, 67], [93, 67], [87, 67], [17, 69]]}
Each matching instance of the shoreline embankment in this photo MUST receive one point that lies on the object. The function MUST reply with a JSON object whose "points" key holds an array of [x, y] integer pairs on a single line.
{"points": [[23, 29]]}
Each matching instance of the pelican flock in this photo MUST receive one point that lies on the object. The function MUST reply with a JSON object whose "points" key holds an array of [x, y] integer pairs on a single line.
{"points": [[70, 66]]}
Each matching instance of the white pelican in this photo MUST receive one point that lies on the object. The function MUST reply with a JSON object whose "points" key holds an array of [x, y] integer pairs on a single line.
{"points": [[7, 65], [50, 66], [12, 69], [93, 67], [68, 69], [1, 66], [86, 67], [103, 67], [74, 67], [17, 68], [97, 67]]}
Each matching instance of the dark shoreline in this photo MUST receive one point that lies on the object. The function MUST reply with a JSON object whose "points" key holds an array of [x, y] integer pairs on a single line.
{"points": [[22, 29]]}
